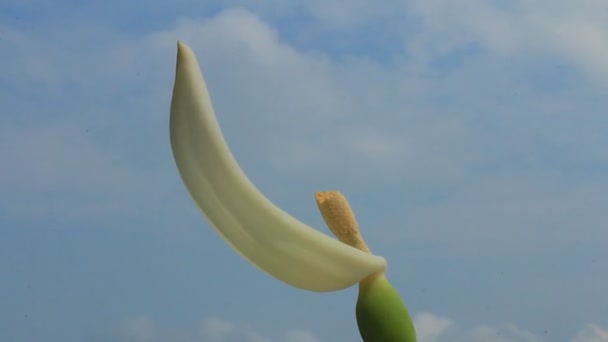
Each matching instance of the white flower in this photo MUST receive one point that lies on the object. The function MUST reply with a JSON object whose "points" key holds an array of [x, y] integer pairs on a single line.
{"points": [[261, 232]]}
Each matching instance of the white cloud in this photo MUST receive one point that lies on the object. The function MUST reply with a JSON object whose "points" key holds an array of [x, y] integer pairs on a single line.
{"points": [[521, 29], [576, 31], [144, 328], [218, 330], [432, 328], [299, 336], [429, 328], [592, 333], [505, 333], [140, 329]]}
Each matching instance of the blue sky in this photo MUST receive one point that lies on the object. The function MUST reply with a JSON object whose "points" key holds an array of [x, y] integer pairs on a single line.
{"points": [[469, 136]]}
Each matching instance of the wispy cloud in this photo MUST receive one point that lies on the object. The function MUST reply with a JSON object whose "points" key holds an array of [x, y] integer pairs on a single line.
{"points": [[213, 329], [433, 328], [429, 328], [592, 333], [140, 329]]}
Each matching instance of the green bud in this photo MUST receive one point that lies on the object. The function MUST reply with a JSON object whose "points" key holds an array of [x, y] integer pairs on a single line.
{"points": [[381, 314]]}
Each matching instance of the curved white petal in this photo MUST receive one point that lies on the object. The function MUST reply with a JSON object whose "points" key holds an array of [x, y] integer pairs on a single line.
{"points": [[261, 232]]}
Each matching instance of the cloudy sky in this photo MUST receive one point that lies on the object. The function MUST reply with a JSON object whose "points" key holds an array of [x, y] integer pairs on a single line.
{"points": [[470, 137]]}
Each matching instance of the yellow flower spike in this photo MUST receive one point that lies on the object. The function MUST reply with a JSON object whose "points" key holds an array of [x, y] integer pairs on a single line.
{"points": [[381, 314], [258, 230]]}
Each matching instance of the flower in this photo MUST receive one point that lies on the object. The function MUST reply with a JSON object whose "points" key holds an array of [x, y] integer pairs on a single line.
{"points": [[258, 230]]}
